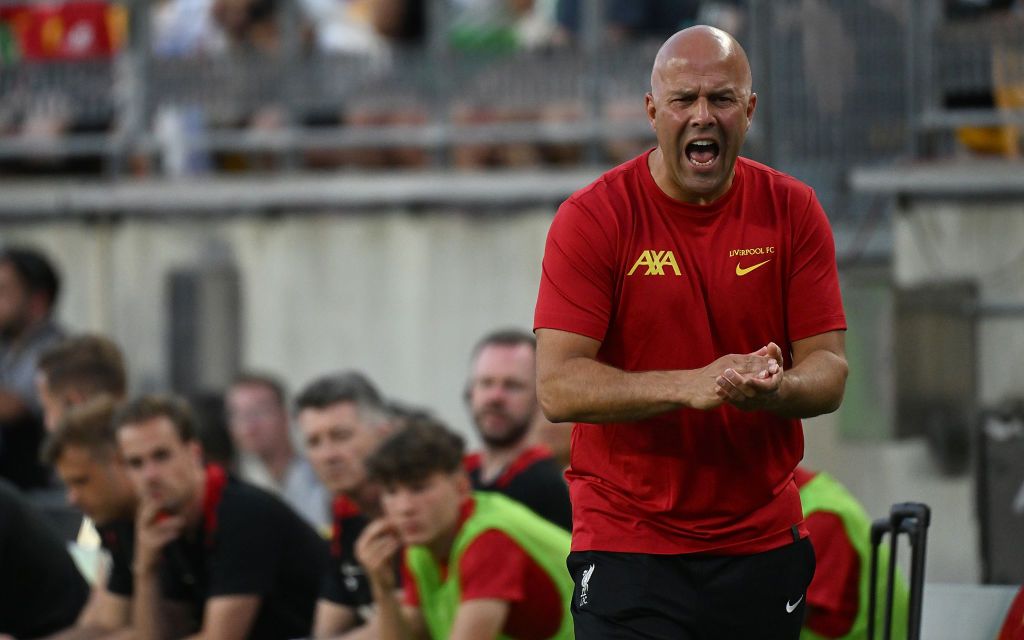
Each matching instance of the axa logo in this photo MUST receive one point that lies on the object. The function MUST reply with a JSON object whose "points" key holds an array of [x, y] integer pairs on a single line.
{"points": [[655, 261]]}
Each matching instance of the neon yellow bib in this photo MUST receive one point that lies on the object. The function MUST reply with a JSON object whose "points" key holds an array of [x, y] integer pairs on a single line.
{"points": [[545, 543]]}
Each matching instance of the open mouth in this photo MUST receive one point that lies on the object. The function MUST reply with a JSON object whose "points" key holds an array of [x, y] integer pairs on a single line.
{"points": [[702, 153]]}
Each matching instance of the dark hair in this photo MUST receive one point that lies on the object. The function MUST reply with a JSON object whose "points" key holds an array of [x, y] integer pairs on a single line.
{"points": [[259, 379], [505, 338], [345, 386], [91, 364], [89, 425], [34, 270], [157, 405], [424, 447]]}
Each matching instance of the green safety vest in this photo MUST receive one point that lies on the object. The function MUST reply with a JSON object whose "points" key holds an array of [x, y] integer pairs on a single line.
{"points": [[824, 493], [546, 543]]}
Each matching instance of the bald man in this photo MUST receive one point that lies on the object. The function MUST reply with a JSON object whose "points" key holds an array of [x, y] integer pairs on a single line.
{"points": [[689, 316]]}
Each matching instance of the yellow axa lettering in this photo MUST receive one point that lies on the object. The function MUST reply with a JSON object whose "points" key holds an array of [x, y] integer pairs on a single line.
{"points": [[656, 261]]}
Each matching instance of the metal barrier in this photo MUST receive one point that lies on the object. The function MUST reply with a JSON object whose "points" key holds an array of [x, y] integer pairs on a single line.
{"points": [[840, 83]]}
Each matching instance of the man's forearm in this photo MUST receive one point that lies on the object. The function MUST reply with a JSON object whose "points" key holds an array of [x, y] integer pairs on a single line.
{"points": [[391, 621], [585, 390], [813, 387], [146, 617]]}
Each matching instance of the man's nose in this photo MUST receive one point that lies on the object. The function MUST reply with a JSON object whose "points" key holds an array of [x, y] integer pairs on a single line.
{"points": [[701, 112]]}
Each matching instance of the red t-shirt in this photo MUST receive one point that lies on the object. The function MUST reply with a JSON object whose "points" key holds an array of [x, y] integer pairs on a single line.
{"points": [[665, 285], [494, 567], [833, 598]]}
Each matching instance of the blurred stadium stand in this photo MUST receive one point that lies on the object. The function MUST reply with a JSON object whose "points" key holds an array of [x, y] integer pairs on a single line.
{"points": [[87, 87]]}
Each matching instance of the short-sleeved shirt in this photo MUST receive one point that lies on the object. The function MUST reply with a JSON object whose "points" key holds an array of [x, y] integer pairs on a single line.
{"points": [[495, 567], [345, 583], [533, 479], [300, 489], [250, 543], [41, 590], [664, 285]]}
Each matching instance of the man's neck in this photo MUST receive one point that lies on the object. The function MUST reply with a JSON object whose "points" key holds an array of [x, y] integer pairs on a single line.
{"points": [[278, 461], [194, 509], [18, 340], [493, 461]]}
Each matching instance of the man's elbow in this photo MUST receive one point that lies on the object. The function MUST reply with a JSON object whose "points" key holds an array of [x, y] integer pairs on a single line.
{"points": [[835, 399], [552, 403]]}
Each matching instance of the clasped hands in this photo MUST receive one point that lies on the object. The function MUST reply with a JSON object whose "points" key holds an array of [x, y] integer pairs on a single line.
{"points": [[750, 382]]}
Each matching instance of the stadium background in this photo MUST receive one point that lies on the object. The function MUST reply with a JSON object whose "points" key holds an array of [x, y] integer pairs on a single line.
{"points": [[311, 207]]}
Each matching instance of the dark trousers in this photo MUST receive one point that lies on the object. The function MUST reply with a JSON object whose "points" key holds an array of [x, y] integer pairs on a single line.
{"points": [[629, 596]]}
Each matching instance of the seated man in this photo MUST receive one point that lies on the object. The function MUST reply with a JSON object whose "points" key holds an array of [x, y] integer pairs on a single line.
{"points": [[41, 591], [247, 564], [76, 370], [83, 450], [477, 565], [343, 420], [257, 414], [502, 398], [837, 598]]}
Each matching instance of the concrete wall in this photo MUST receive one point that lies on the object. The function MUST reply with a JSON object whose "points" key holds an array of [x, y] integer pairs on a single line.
{"points": [[401, 296]]}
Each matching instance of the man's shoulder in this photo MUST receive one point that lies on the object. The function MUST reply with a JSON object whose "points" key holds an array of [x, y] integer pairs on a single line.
{"points": [[612, 184], [242, 499], [762, 175]]}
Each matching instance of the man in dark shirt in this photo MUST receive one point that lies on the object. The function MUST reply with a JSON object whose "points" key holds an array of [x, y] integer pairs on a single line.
{"points": [[28, 292], [343, 420], [246, 563], [502, 398], [83, 450], [41, 590]]}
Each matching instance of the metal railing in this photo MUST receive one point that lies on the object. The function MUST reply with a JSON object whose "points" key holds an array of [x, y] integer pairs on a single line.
{"points": [[840, 83]]}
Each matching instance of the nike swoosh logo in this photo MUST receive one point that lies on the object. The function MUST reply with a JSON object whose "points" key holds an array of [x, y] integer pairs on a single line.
{"points": [[790, 608], [740, 271]]}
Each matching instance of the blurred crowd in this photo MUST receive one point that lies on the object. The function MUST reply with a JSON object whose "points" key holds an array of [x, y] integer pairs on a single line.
{"points": [[243, 37]]}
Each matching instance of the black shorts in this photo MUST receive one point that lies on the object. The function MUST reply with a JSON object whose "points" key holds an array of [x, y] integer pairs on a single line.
{"points": [[621, 596]]}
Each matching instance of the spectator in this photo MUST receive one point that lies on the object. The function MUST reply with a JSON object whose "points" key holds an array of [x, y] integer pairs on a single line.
{"points": [[343, 420], [73, 372], [185, 28], [28, 292], [41, 591], [837, 599], [502, 398], [477, 565], [258, 423], [632, 19], [78, 369], [83, 450], [244, 563]]}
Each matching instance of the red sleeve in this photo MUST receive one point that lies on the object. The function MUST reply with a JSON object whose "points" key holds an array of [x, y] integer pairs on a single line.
{"points": [[493, 566], [410, 594], [1013, 626], [578, 274], [814, 304], [833, 596]]}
